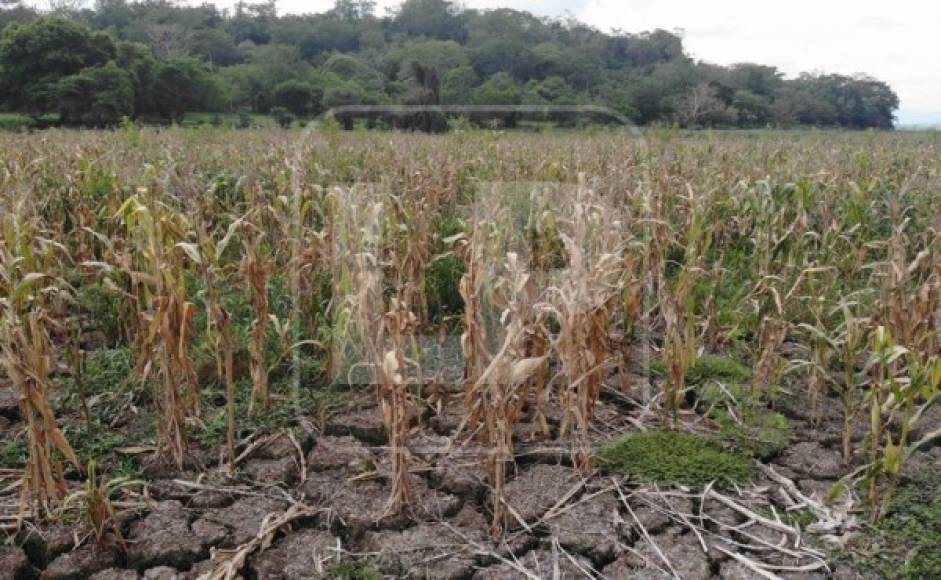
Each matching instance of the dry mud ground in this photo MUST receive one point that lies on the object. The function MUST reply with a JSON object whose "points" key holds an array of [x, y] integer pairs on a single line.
{"points": [[310, 503]]}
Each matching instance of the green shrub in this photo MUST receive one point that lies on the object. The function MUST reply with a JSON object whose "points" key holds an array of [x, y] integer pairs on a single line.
{"points": [[674, 458]]}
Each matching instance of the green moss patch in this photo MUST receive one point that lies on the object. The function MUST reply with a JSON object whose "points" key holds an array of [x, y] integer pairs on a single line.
{"points": [[674, 458], [717, 368]]}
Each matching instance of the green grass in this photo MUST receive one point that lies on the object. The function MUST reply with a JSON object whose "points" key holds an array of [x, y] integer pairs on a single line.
{"points": [[905, 543], [354, 570], [96, 442], [914, 524], [668, 457], [286, 408], [717, 368], [762, 433], [755, 428]]}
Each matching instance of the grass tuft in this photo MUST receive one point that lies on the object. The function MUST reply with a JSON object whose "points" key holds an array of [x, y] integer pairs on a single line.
{"points": [[717, 368], [674, 458]]}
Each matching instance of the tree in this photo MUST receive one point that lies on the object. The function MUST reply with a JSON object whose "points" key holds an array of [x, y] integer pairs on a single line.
{"points": [[353, 9], [458, 84], [97, 96], [252, 22], [250, 57], [217, 47], [137, 60], [858, 102], [655, 96], [551, 91], [758, 79], [34, 57], [431, 19], [505, 54], [182, 85], [441, 55], [701, 107], [355, 69], [647, 49], [15, 12], [298, 97], [500, 90], [754, 110]]}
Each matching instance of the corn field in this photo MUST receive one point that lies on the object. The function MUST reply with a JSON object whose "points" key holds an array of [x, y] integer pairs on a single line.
{"points": [[177, 302]]}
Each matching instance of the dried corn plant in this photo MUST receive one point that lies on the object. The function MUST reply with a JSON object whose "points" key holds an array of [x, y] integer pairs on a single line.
{"points": [[582, 303], [353, 252], [910, 290], [97, 506], [776, 296], [677, 299], [392, 393], [505, 382], [844, 347], [256, 268], [373, 337], [25, 353], [413, 235], [31, 309], [474, 339], [207, 256], [158, 263]]}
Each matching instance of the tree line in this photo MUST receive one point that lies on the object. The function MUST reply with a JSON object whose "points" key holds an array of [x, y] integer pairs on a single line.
{"points": [[158, 60]]}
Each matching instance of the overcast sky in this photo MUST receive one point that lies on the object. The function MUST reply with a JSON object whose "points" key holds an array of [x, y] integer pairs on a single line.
{"points": [[897, 41]]}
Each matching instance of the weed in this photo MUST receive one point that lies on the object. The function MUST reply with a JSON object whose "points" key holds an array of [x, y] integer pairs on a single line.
{"points": [[98, 511]]}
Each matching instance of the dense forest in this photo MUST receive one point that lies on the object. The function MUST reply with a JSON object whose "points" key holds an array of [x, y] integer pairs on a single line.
{"points": [[156, 60]]}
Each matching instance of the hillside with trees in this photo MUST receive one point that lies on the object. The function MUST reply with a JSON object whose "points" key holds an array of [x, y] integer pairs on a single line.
{"points": [[155, 61]]}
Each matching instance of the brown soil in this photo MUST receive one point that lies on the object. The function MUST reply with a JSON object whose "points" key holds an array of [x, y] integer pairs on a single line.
{"points": [[560, 527]]}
